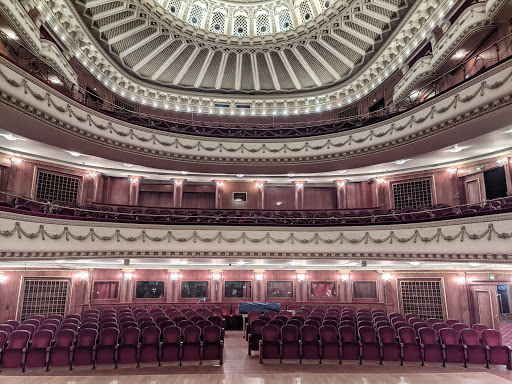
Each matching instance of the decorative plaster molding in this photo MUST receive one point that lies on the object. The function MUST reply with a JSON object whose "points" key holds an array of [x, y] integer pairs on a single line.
{"points": [[420, 71], [429, 118]]}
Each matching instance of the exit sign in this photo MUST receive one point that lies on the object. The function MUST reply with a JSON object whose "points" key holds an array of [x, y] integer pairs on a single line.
{"points": [[490, 277]]}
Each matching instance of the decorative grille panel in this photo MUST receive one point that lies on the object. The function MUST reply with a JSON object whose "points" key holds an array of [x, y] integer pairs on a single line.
{"points": [[240, 26], [217, 23], [44, 297], [412, 194], [54, 187], [305, 11], [196, 16], [423, 298], [122, 107], [174, 6], [349, 112], [285, 20], [263, 25]]}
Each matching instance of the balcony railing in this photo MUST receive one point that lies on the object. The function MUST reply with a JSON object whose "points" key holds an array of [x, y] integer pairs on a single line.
{"points": [[478, 63]]}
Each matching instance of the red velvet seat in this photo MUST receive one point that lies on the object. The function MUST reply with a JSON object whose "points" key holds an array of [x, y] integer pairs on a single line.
{"points": [[479, 328], [171, 345], [213, 346], [255, 335], [453, 351], [309, 342], [107, 346], [450, 322], [6, 328], [60, 351], [191, 350], [330, 345], [475, 352], [149, 345], [389, 347], [432, 350], [13, 355], [128, 346], [290, 342], [411, 349], [30, 328], [269, 346], [439, 326], [350, 347], [497, 353], [370, 349], [459, 327], [13, 323], [38, 353], [433, 321], [83, 351], [3, 339], [400, 324]]}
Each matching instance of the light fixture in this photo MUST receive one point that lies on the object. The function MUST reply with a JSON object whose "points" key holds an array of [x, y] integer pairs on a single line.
{"points": [[60, 261], [216, 276], [219, 183], [415, 263], [459, 55], [291, 175], [73, 153], [134, 179], [128, 275], [299, 185], [3, 278], [380, 180], [340, 183], [414, 94], [10, 137], [178, 181], [301, 276], [502, 161], [16, 160], [184, 172], [82, 275], [353, 264], [128, 165], [240, 263], [92, 175], [387, 276], [451, 171], [54, 80], [260, 184], [474, 264], [344, 276], [342, 171], [258, 276], [175, 276], [294, 262], [402, 161], [279, 202], [460, 280], [183, 262], [240, 175], [11, 35], [456, 149]]}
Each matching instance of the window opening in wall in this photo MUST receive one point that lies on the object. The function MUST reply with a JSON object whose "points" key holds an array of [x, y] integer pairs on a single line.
{"points": [[412, 194], [423, 298], [237, 289], [495, 183], [149, 289], [92, 98], [54, 187], [239, 196], [44, 297]]}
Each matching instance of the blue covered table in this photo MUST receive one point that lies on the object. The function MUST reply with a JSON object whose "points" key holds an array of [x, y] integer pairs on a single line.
{"points": [[245, 308]]}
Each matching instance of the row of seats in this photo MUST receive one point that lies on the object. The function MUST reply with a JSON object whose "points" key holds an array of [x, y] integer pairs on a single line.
{"points": [[373, 335], [253, 217], [110, 337]]}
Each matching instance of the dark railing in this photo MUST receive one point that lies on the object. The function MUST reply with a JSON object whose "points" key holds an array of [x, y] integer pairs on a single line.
{"points": [[479, 62], [21, 204]]}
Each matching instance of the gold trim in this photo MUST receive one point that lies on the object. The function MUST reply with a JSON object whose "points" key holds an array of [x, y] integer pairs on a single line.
{"points": [[479, 306]]}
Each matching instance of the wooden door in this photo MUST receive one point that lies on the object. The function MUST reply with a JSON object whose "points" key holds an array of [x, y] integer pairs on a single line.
{"points": [[484, 305], [473, 194]]}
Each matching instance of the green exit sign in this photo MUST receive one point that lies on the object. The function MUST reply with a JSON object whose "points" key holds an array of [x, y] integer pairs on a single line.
{"points": [[490, 277]]}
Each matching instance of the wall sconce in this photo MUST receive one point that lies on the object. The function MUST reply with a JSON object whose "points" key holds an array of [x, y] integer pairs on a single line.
{"points": [[260, 184], [92, 175], [178, 181], [502, 161], [301, 276], [387, 276], [128, 275], [219, 183], [299, 185], [175, 276], [380, 180], [134, 179], [340, 183], [460, 280], [216, 276], [16, 161], [344, 277], [82, 275], [3, 278], [258, 276], [452, 171]]}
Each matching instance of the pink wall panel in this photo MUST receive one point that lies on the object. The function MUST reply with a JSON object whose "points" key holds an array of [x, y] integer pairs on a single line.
{"points": [[319, 198], [285, 195]]}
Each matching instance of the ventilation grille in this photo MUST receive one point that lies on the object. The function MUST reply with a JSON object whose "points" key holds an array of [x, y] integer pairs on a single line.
{"points": [[423, 298], [123, 107], [53, 187], [349, 112], [412, 194], [44, 297]]}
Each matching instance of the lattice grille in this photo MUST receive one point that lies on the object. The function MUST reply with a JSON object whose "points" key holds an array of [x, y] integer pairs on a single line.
{"points": [[305, 11], [285, 20], [349, 112], [44, 297], [174, 6], [53, 187], [262, 25], [217, 23], [412, 194], [423, 298], [325, 4], [196, 16], [240, 26]]}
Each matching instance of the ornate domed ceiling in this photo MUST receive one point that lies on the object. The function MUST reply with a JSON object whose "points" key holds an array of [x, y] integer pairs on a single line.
{"points": [[236, 47]]}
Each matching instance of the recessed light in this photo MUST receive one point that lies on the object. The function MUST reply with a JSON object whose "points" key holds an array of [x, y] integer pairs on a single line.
{"points": [[353, 264], [279, 202], [184, 172], [183, 262], [240, 175], [459, 55], [402, 161], [342, 171], [240, 263], [73, 153], [60, 261], [128, 165], [10, 137], [415, 263], [291, 175], [474, 264]]}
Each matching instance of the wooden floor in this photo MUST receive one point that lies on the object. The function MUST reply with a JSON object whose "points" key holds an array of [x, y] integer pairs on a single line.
{"points": [[242, 369]]}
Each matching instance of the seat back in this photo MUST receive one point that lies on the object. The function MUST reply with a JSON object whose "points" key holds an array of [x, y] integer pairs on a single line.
{"points": [[64, 338], [109, 336], [191, 334], [433, 321], [309, 333], [130, 336], [86, 337], [289, 332], [449, 336], [270, 333], [407, 335], [428, 335], [491, 338], [470, 337], [171, 334], [347, 334], [387, 334], [328, 334], [367, 334], [151, 335], [42, 338], [460, 326]]}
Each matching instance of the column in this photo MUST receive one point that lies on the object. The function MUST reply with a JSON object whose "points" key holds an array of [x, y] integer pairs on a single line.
{"points": [[261, 194], [380, 194], [259, 286], [177, 195], [302, 286], [97, 187], [173, 286], [341, 194], [508, 176], [219, 186], [216, 292], [134, 190], [299, 194]]}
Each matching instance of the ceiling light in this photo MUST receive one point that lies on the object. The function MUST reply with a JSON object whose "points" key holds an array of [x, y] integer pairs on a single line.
{"points": [[456, 149], [344, 276], [54, 80], [459, 55], [184, 172], [240, 263], [240, 175], [73, 153], [415, 263], [258, 276], [474, 264], [353, 263], [128, 165], [10, 137], [279, 202], [16, 160], [502, 161], [12, 35], [301, 276], [387, 276], [183, 262], [402, 161], [60, 261], [414, 94], [451, 171], [342, 171], [294, 262], [380, 180], [291, 175]]}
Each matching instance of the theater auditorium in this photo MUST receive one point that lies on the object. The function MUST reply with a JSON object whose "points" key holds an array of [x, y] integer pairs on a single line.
{"points": [[255, 191]]}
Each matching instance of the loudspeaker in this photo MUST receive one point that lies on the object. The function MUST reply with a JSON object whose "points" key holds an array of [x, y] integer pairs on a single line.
{"points": [[126, 262], [364, 263]]}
